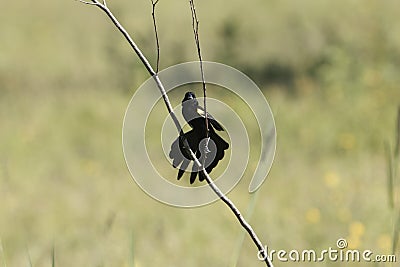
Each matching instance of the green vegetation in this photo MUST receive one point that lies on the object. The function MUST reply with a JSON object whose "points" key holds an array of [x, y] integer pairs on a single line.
{"points": [[393, 180], [329, 69]]}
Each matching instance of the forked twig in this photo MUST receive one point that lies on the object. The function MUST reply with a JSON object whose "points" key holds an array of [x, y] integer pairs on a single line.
{"points": [[160, 86], [95, 3]]}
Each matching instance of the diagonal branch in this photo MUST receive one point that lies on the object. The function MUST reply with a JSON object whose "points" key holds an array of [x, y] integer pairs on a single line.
{"points": [[160, 86], [237, 213], [87, 3], [93, 2]]}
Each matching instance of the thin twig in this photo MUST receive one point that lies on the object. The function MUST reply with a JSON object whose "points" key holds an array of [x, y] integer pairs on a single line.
{"points": [[160, 86], [195, 26], [154, 3], [87, 3]]}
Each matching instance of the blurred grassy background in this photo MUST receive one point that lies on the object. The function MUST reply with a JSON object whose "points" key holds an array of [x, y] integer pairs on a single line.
{"points": [[330, 70]]}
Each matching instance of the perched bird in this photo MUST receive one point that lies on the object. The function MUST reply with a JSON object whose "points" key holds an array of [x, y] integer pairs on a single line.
{"points": [[196, 138]]}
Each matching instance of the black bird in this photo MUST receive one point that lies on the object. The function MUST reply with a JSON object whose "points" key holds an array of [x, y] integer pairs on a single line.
{"points": [[195, 117]]}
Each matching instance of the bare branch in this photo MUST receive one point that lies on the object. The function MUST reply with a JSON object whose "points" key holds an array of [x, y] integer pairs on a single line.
{"points": [[94, 3], [160, 86], [235, 211], [154, 3], [195, 26]]}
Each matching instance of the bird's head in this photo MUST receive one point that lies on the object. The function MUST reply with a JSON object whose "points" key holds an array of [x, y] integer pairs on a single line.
{"points": [[190, 99]]}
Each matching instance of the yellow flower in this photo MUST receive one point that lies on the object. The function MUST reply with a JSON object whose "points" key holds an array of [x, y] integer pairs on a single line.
{"points": [[331, 179], [344, 214], [90, 167], [356, 229], [313, 216], [347, 141], [353, 242], [385, 242]]}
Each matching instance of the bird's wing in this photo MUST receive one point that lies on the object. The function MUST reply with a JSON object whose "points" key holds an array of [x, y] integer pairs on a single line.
{"points": [[175, 153], [214, 122], [193, 175], [182, 168], [179, 155], [220, 146]]}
